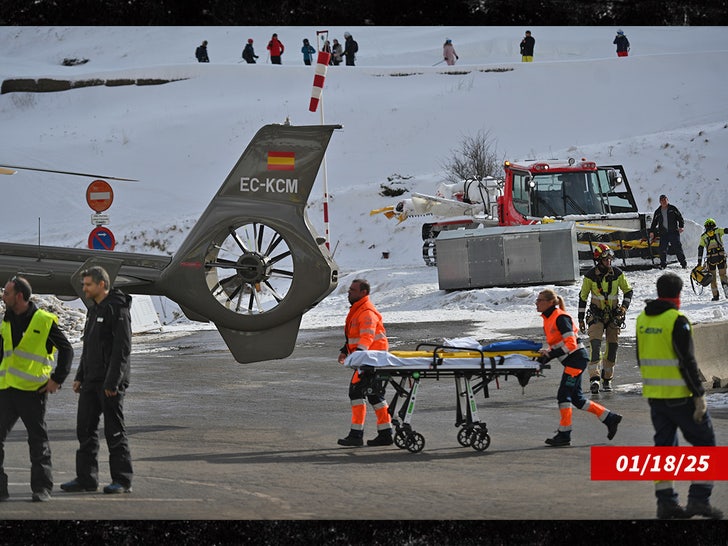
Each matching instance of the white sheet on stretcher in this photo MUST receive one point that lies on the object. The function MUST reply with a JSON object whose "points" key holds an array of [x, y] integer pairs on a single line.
{"points": [[382, 359]]}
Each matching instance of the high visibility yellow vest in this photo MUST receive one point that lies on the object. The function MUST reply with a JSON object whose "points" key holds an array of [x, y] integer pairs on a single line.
{"points": [[28, 366], [659, 365], [712, 241]]}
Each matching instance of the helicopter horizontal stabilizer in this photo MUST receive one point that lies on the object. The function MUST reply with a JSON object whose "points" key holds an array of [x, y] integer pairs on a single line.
{"points": [[269, 344]]}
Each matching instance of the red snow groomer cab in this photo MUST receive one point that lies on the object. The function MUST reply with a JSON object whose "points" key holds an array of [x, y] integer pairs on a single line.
{"points": [[597, 198]]}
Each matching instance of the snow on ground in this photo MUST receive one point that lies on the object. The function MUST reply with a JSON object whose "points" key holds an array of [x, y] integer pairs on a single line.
{"points": [[662, 112]]}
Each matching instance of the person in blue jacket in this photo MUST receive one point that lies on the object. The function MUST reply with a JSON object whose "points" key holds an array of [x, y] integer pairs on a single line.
{"points": [[308, 52]]}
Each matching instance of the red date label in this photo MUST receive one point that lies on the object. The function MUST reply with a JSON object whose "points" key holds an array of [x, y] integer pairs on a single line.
{"points": [[659, 463]]}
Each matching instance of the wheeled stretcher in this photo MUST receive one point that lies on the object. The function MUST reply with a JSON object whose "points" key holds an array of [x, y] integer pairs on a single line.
{"points": [[472, 369]]}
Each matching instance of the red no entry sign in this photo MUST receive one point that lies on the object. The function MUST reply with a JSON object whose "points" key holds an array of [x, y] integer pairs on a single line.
{"points": [[99, 195], [101, 238]]}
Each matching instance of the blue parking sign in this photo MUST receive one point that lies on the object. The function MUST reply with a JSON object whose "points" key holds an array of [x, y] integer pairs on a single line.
{"points": [[101, 238]]}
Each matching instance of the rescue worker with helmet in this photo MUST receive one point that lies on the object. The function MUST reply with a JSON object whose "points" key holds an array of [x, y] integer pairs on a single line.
{"points": [[605, 315], [712, 241], [30, 337], [364, 331], [563, 343], [671, 383]]}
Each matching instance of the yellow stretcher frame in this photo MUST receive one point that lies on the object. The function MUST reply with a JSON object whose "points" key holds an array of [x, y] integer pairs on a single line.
{"points": [[406, 379]]}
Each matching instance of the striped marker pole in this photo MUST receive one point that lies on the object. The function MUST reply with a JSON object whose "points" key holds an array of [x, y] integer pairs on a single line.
{"points": [[322, 65]]}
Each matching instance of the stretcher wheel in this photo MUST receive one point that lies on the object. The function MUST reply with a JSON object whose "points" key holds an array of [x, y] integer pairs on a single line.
{"points": [[400, 438], [465, 437], [481, 440], [415, 442]]}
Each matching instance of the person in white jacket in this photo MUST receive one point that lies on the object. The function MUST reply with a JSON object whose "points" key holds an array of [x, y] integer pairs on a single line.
{"points": [[448, 52]]}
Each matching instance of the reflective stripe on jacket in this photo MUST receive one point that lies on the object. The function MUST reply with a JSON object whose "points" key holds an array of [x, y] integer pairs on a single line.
{"points": [[659, 363], [28, 366], [568, 342], [364, 328], [604, 290]]}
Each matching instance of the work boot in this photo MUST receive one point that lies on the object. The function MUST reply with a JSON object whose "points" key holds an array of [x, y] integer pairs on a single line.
{"points": [[594, 385], [561, 439], [715, 298], [702, 508], [612, 421], [607, 385], [383, 438], [670, 510], [351, 441]]}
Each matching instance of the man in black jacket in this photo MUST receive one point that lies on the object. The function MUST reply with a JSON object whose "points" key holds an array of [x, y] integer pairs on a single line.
{"points": [[201, 53], [249, 53], [622, 43], [29, 337], [101, 382], [351, 48], [527, 45], [668, 224]]}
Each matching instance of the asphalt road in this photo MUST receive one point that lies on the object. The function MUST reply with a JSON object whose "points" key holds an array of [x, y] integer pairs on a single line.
{"points": [[212, 439]]}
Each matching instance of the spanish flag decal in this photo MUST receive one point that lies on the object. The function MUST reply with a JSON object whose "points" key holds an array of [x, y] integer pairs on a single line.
{"points": [[281, 161]]}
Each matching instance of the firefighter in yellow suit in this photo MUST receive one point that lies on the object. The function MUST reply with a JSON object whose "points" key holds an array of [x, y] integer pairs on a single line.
{"points": [[605, 315], [712, 242], [364, 330]]}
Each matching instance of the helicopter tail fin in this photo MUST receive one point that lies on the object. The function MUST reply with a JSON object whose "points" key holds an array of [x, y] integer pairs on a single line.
{"points": [[253, 263]]}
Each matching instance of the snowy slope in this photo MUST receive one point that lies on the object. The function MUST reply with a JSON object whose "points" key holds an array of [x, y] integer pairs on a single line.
{"points": [[662, 112]]}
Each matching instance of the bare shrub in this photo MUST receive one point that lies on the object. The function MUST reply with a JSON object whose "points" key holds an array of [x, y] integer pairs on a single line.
{"points": [[477, 158]]}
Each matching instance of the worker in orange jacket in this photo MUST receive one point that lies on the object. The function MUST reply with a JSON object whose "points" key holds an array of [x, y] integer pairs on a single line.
{"points": [[563, 343], [364, 331]]}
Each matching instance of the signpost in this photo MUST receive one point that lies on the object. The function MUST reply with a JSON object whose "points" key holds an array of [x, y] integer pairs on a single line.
{"points": [[99, 197], [101, 238]]}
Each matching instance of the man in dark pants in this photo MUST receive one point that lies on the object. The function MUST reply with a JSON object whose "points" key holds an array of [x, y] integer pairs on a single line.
{"points": [[201, 53], [29, 336], [101, 382], [671, 384], [668, 223], [351, 48]]}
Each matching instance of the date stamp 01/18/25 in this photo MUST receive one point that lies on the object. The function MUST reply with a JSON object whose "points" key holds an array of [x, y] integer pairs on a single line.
{"points": [[695, 463]]}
